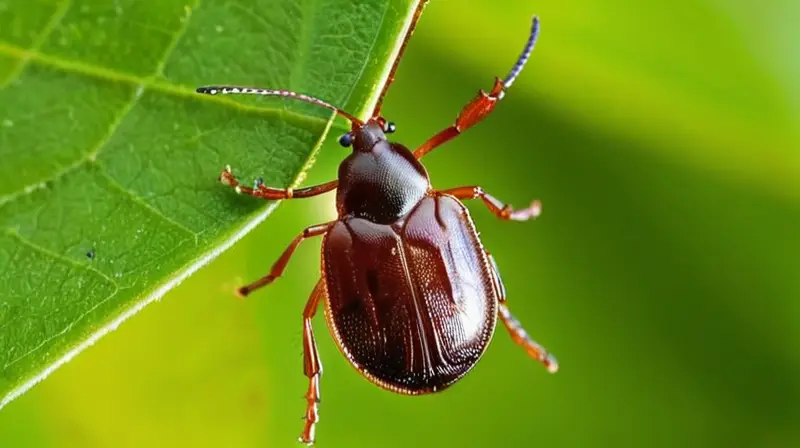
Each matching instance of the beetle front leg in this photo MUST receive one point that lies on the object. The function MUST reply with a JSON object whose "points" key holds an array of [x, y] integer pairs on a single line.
{"points": [[312, 366], [280, 265], [502, 211], [518, 334], [259, 190]]}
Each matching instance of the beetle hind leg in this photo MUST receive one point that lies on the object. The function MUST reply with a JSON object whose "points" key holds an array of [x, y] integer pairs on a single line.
{"points": [[312, 367], [280, 265], [520, 336], [514, 327]]}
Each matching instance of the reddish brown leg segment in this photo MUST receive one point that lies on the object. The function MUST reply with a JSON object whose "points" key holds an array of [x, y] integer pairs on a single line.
{"points": [[518, 334], [280, 265], [477, 109], [312, 366], [503, 211], [268, 193]]}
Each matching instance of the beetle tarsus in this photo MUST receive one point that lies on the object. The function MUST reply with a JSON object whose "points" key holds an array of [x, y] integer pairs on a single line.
{"points": [[227, 178], [501, 210], [551, 363], [312, 411], [312, 366], [259, 190], [305, 442], [521, 337], [245, 291], [531, 212]]}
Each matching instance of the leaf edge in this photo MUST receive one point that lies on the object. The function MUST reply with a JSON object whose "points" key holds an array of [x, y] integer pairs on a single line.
{"points": [[226, 242]]}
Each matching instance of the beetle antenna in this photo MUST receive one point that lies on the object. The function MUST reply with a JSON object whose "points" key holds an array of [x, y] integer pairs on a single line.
{"points": [[240, 90], [523, 57]]}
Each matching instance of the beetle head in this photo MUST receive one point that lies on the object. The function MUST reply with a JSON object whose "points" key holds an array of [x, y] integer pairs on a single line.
{"points": [[364, 137]]}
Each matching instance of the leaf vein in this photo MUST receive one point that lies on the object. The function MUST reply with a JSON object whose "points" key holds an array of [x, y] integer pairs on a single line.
{"points": [[51, 25], [142, 203], [88, 158], [176, 37], [165, 83], [303, 46], [66, 329], [13, 233], [149, 83], [366, 60]]}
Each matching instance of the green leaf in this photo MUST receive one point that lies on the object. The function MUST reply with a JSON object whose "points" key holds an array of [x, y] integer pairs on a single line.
{"points": [[107, 151]]}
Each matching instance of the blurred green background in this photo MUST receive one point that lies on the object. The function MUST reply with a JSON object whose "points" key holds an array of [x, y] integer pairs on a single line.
{"points": [[663, 140]]}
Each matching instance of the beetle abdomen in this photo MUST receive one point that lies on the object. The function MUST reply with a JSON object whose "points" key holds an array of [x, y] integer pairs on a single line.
{"points": [[412, 305]]}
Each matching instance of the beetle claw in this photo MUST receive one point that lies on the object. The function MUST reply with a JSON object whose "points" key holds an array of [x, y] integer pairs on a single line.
{"points": [[536, 208], [226, 177], [551, 363]]}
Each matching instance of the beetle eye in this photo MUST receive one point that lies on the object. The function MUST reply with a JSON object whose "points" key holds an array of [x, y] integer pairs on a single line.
{"points": [[346, 140], [389, 127]]}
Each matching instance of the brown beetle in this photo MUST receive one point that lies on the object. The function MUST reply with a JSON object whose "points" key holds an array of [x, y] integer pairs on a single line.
{"points": [[411, 296]]}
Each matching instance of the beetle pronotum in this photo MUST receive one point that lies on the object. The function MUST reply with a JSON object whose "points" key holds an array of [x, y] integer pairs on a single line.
{"points": [[411, 295]]}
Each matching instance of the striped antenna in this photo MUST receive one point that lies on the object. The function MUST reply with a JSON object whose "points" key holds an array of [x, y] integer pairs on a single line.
{"points": [[238, 90], [526, 53]]}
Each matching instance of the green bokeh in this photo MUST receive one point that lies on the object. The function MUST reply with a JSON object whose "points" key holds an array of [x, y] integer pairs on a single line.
{"points": [[664, 272]]}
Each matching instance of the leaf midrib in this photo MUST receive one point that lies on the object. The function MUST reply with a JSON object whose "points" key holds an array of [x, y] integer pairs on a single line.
{"points": [[147, 83], [159, 84], [41, 38], [89, 157], [142, 84]]}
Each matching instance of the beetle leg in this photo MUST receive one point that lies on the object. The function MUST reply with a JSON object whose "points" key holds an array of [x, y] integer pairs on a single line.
{"points": [[259, 190], [312, 366], [502, 211], [518, 334], [280, 265]]}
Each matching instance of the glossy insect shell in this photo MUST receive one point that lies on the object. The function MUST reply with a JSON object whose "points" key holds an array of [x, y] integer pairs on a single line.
{"points": [[411, 295]]}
